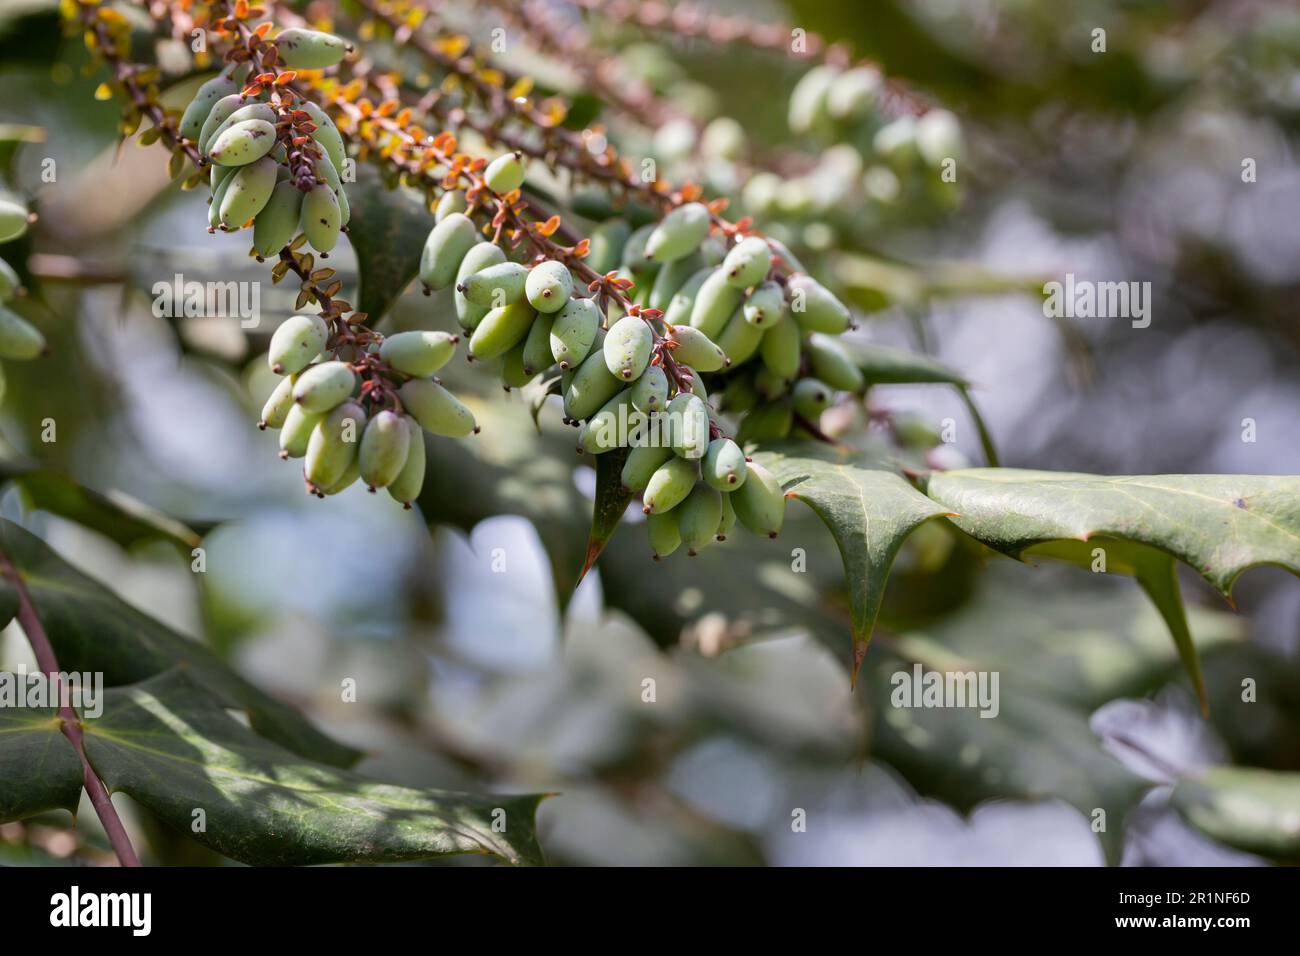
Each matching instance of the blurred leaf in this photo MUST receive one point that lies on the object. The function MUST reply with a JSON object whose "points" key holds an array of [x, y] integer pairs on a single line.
{"points": [[171, 746], [387, 232], [869, 509], [1253, 810], [39, 770], [113, 514], [93, 629]]}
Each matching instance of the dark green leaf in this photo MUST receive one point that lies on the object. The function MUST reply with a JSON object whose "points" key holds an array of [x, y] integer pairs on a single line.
{"points": [[39, 770], [92, 629], [171, 746]]}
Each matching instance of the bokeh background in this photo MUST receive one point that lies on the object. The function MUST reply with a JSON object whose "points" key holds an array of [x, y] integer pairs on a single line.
{"points": [[476, 666]]}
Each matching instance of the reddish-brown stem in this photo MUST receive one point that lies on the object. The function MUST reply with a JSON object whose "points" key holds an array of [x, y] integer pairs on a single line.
{"points": [[70, 722]]}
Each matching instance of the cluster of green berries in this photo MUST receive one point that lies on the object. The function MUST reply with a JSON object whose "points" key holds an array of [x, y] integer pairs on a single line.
{"points": [[276, 159], [354, 405], [19, 339], [868, 155], [631, 371]]}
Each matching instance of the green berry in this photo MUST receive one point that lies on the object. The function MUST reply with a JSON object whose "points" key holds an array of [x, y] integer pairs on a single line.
{"points": [[248, 193], [663, 533], [406, 486], [728, 520], [815, 308], [453, 200], [781, 348], [607, 241], [481, 256], [592, 385], [642, 462], [278, 405], [671, 278], [831, 363], [537, 345], [770, 421], [574, 332], [496, 285], [333, 444], [696, 349], [19, 339], [628, 348], [384, 447], [418, 353], [715, 303], [679, 234], [501, 330], [548, 286], [9, 281], [748, 262], [322, 387], [296, 343], [243, 143], [765, 305], [605, 430], [321, 217], [698, 517], [650, 391], [811, 398], [217, 116], [191, 124], [669, 485], [504, 174], [277, 223], [689, 419], [327, 135], [296, 431], [724, 465], [760, 502], [302, 49], [740, 340], [436, 409], [679, 307], [445, 249]]}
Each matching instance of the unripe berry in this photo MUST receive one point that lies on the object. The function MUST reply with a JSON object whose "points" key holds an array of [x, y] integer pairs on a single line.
{"points": [[689, 419], [321, 218], [811, 398], [833, 365], [665, 538], [770, 421], [19, 339], [445, 248], [537, 346], [296, 343], [278, 405], [322, 387], [650, 391], [436, 409], [669, 485], [765, 305], [781, 348], [243, 143], [715, 303], [277, 223], [724, 465], [592, 385], [696, 349], [642, 462], [480, 257], [419, 354], [760, 502], [574, 332], [333, 445], [302, 49], [495, 285], [296, 431], [628, 348], [548, 286], [406, 486], [327, 135], [384, 448], [748, 262], [209, 93], [679, 234], [248, 192], [815, 308], [740, 340], [501, 330], [505, 173], [698, 517], [9, 281]]}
